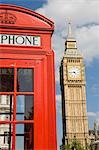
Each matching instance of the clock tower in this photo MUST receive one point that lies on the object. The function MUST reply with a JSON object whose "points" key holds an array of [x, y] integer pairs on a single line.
{"points": [[73, 90]]}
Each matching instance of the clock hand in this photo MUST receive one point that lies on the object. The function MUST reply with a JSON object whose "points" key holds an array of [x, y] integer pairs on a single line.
{"points": [[74, 72]]}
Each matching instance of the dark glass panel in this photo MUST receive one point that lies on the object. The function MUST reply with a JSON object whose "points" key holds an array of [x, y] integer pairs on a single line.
{"points": [[5, 136], [25, 80], [24, 136], [6, 107], [6, 79], [25, 107]]}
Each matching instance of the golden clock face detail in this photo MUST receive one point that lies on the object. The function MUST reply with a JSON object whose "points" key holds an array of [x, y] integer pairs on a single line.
{"points": [[74, 72]]}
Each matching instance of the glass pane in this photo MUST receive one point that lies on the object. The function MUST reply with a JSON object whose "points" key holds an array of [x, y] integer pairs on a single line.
{"points": [[6, 107], [25, 107], [5, 137], [24, 137], [25, 80], [20, 143], [6, 79], [20, 129]]}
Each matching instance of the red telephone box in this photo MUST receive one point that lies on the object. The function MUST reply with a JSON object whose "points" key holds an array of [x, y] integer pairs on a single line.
{"points": [[27, 81]]}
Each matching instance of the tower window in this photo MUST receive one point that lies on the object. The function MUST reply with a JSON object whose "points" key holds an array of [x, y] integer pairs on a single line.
{"points": [[6, 137]]}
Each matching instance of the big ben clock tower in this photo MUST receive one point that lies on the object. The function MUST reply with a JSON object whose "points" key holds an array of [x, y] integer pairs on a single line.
{"points": [[73, 90]]}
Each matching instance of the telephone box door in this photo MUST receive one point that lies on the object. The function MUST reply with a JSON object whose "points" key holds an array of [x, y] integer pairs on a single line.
{"points": [[19, 92]]}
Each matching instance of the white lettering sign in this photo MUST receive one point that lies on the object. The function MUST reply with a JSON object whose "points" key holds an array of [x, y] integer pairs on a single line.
{"points": [[19, 40]]}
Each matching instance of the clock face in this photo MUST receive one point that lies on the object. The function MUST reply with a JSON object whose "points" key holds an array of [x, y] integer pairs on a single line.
{"points": [[74, 72]]}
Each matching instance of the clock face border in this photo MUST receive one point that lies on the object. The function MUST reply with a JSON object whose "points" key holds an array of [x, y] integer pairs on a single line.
{"points": [[74, 72]]}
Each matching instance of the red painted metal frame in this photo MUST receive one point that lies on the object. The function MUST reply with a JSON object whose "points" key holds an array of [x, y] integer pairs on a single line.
{"points": [[8, 64], [42, 60]]}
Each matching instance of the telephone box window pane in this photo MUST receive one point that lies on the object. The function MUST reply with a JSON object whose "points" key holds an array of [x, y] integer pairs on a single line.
{"points": [[25, 80], [6, 79], [24, 136], [20, 143], [5, 136], [6, 107], [25, 107], [20, 129]]}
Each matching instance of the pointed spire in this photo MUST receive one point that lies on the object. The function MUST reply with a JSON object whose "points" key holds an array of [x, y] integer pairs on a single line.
{"points": [[70, 34], [70, 42]]}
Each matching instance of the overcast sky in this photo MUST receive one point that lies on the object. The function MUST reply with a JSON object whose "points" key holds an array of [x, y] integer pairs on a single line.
{"points": [[84, 15]]}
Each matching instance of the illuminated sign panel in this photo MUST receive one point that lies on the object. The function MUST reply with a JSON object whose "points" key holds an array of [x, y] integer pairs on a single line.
{"points": [[19, 40]]}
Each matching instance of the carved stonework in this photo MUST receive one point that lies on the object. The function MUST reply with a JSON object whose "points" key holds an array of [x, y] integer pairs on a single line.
{"points": [[73, 89], [7, 18]]}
